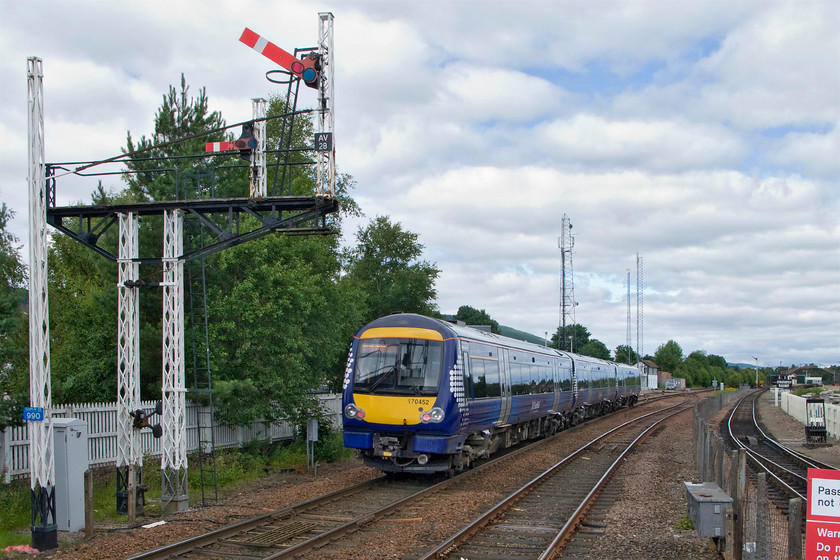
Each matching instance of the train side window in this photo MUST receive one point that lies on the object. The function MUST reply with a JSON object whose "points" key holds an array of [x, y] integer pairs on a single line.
{"points": [[479, 381], [491, 372], [517, 379]]}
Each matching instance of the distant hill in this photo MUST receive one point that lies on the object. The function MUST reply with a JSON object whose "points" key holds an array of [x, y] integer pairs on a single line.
{"points": [[521, 335], [742, 366]]}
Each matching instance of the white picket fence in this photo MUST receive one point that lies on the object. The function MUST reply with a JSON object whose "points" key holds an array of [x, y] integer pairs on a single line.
{"points": [[101, 419]]}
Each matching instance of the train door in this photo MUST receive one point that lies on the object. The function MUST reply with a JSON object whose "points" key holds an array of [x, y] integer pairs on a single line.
{"points": [[504, 380], [557, 385]]}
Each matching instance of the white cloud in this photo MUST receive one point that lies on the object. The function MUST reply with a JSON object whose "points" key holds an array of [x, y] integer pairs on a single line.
{"points": [[702, 136]]}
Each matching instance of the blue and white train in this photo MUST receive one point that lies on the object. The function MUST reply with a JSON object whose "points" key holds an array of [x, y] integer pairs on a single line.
{"points": [[423, 395]]}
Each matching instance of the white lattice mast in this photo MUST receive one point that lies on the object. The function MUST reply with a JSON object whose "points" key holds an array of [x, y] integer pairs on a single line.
{"points": [[325, 137], [566, 243], [640, 306], [258, 170], [41, 458], [629, 343], [129, 453], [174, 489]]}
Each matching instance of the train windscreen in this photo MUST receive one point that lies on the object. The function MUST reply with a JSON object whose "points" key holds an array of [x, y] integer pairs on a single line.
{"points": [[398, 366]]}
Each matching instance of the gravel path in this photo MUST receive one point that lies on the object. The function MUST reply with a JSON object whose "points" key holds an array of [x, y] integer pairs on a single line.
{"points": [[640, 525]]}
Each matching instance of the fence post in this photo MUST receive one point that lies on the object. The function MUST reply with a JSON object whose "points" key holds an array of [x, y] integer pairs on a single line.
{"points": [[88, 504], [707, 453], [795, 529], [698, 444], [729, 550], [737, 489], [763, 544], [5, 466]]}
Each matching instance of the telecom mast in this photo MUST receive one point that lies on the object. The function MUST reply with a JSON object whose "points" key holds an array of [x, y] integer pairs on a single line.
{"points": [[566, 243], [640, 306], [628, 343]]}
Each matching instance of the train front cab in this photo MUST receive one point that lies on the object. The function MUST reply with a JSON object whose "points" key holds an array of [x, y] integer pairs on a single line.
{"points": [[397, 412]]}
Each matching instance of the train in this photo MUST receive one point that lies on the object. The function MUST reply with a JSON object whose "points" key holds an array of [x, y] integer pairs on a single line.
{"points": [[425, 395]]}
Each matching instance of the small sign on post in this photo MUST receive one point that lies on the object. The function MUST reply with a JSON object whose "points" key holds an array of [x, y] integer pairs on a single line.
{"points": [[311, 439], [33, 414], [323, 141], [822, 537]]}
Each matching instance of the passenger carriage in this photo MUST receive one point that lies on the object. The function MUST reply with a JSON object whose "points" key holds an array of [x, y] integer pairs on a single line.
{"points": [[426, 395]]}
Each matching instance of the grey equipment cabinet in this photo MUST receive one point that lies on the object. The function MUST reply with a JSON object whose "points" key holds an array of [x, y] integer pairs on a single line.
{"points": [[70, 444], [707, 505]]}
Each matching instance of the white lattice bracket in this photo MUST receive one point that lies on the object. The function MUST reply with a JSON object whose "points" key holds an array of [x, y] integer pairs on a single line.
{"points": [[174, 492], [258, 171], [128, 342], [129, 453], [325, 136], [41, 464], [41, 455]]}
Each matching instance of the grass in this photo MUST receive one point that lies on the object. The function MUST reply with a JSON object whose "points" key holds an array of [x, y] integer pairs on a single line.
{"points": [[251, 462], [802, 391]]}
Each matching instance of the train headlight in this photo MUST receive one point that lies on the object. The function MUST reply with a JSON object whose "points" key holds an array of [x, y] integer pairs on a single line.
{"points": [[434, 416], [353, 411]]}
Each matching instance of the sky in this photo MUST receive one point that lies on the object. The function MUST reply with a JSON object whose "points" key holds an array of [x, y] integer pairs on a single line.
{"points": [[701, 136]]}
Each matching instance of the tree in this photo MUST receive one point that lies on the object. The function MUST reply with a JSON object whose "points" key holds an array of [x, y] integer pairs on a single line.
{"points": [[576, 337], [159, 169], [385, 264], [596, 349], [668, 356], [623, 351], [14, 372], [282, 323], [183, 124], [472, 316]]}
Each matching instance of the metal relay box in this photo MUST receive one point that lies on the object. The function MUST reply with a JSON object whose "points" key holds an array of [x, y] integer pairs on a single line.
{"points": [[707, 505]]}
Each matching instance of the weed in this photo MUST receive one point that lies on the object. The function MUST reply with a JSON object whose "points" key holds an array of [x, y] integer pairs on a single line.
{"points": [[685, 523]]}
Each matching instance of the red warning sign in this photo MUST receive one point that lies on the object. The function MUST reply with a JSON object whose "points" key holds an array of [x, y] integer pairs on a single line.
{"points": [[822, 536]]}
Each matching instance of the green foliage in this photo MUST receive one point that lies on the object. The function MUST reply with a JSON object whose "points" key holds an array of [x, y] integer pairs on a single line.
{"points": [[668, 356], [684, 524], [802, 391], [14, 365], [183, 124], [281, 325], [472, 316], [14, 508], [385, 266], [622, 353], [596, 349], [577, 336], [83, 323]]}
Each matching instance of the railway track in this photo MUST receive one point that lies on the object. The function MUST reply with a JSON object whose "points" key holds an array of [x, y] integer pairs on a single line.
{"points": [[538, 519], [785, 467], [367, 512]]}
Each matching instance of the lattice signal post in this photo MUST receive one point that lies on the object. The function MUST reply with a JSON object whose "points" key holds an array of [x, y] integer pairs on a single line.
{"points": [[292, 215], [41, 457]]}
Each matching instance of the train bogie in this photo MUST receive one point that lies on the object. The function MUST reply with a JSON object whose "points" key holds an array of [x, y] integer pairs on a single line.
{"points": [[423, 395]]}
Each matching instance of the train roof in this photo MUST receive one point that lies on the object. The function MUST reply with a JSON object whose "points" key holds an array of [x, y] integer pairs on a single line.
{"points": [[450, 330]]}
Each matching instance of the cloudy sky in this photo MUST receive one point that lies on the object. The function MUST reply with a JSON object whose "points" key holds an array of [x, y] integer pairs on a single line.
{"points": [[702, 136]]}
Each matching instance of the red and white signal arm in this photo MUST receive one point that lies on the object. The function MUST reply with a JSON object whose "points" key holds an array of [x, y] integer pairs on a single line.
{"points": [[306, 68], [822, 535]]}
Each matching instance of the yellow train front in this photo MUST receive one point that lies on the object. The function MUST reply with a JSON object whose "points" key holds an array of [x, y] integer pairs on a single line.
{"points": [[423, 395]]}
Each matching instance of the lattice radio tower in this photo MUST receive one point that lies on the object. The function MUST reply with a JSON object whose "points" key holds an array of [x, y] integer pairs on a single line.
{"points": [[566, 242], [640, 306], [629, 334]]}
